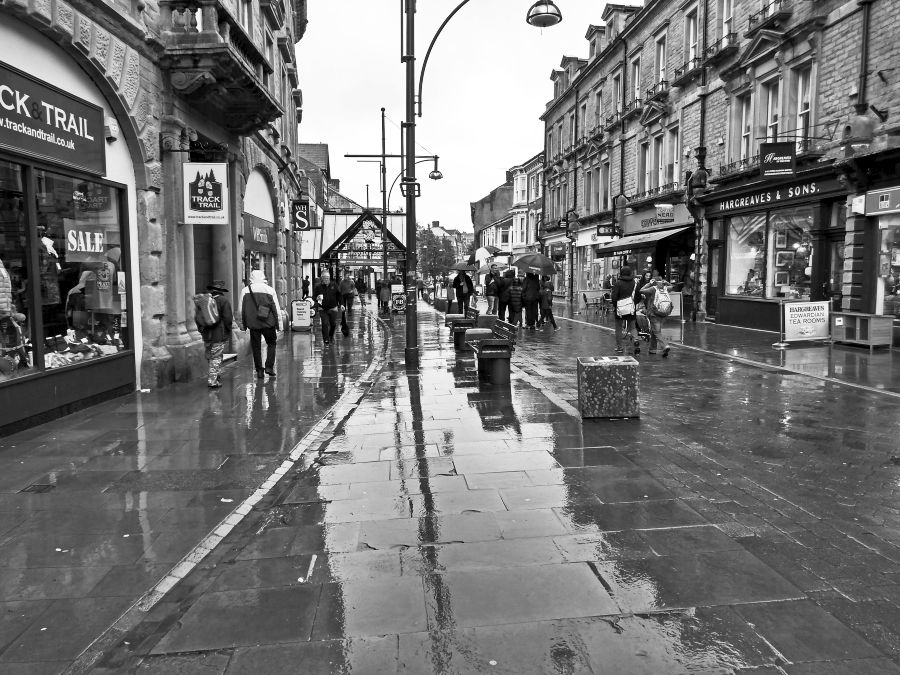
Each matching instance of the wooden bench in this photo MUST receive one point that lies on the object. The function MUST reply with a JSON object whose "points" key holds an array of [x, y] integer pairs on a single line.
{"points": [[494, 352], [459, 323]]}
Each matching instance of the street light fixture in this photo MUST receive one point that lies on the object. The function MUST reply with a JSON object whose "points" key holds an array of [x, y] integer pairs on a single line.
{"points": [[542, 14]]}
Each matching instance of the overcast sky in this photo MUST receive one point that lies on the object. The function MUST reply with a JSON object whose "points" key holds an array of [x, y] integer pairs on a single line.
{"points": [[487, 83]]}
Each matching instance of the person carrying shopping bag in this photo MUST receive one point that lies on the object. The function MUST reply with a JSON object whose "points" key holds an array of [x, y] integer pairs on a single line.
{"points": [[622, 297]]}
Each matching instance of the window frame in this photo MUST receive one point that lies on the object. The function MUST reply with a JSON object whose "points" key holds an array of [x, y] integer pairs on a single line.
{"points": [[660, 57]]}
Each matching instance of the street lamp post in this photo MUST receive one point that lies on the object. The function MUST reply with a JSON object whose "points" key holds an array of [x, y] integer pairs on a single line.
{"points": [[542, 14]]}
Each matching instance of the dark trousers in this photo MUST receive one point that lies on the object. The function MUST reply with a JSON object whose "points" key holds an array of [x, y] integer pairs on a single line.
{"points": [[256, 338], [347, 299], [531, 313], [547, 315], [515, 316], [462, 300], [501, 309], [330, 319]]}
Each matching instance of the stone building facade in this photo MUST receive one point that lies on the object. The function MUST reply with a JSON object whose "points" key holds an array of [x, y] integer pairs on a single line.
{"points": [[655, 145], [175, 82]]}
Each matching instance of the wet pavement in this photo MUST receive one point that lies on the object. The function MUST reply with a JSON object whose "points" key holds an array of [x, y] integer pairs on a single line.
{"points": [[354, 516]]}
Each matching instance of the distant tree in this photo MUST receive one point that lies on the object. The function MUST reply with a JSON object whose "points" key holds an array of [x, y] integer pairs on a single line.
{"points": [[435, 254]]}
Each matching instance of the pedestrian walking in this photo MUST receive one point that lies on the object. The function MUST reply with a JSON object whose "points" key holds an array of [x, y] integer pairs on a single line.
{"points": [[491, 287], [503, 287], [515, 301], [361, 290], [547, 303], [305, 286], [531, 297], [622, 297], [384, 296], [420, 287], [659, 306], [328, 298], [216, 335], [348, 289], [261, 315], [462, 284]]}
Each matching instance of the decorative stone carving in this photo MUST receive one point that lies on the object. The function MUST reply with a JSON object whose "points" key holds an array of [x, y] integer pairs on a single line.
{"points": [[83, 33], [63, 18], [117, 62], [132, 80], [42, 10], [100, 52]]}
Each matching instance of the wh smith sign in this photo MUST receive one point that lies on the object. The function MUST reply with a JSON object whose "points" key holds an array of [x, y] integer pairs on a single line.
{"points": [[41, 121]]}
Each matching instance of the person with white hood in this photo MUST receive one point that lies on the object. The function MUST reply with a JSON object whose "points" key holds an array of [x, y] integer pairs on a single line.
{"points": [[261, 314]]}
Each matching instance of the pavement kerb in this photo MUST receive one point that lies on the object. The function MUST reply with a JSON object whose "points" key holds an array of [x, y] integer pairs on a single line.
{"points": [[133, 615], [752, 363]]}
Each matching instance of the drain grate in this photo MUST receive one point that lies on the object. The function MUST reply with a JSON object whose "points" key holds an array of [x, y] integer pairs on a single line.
{"points": [[38, 487]]}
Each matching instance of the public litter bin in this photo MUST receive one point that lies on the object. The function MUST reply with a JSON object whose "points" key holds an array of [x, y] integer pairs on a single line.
{"points": [[608, 386]]}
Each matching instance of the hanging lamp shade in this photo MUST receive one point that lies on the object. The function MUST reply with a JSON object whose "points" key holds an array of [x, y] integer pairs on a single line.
{"points": [[543, 13]]}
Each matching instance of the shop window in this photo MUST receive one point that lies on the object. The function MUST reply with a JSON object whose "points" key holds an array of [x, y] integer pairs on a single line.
{"points": [[888, 286], [746, 269], [16, 317]]}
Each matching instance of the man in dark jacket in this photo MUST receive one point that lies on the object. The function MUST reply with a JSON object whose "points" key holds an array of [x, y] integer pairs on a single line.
{"points": [[503, 287], [305, 287], [464, 288], [531, 296], [215, 337], [361, 290], [515, 301], [623, 289], [328, 295]]}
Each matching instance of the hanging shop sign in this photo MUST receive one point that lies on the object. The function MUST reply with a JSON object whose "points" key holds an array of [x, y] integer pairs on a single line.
{"points": [[300, 215], [259, 235], [41, 121], [205, 193], [777, 160], [661, 216], [880, 202]]}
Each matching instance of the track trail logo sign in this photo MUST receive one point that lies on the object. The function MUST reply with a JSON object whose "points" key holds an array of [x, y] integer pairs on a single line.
{"points": [[206, 193]]}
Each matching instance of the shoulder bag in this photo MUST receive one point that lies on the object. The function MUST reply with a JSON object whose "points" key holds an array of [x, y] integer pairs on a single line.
{"points": [[263, 312], [625, 306]]}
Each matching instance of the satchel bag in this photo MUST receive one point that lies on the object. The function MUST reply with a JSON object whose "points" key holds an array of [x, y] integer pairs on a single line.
{"points": [[263, 312], [625, 307]]}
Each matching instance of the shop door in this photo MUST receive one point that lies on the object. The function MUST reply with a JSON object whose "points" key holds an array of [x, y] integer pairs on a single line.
{"points": [[834, 271], [203, 257], [714, 278]]}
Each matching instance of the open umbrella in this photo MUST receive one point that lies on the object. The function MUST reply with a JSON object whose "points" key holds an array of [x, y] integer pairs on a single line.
{"points": [[463, 266], [535, 262], [485, 252]]}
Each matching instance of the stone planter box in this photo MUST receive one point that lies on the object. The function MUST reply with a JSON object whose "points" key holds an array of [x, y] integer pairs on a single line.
{"points": [[608, 386]]}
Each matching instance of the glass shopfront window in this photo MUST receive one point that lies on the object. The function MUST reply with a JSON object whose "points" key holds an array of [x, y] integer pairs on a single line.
{"points": [[770, 255], [888, 283], [73, 299]]}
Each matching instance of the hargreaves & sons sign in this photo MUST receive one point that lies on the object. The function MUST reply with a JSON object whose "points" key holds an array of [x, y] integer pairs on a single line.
{"points": [[773, 197], [44, 122]]}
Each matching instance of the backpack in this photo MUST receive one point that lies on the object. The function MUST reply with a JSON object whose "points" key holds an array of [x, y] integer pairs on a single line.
{"points": [[662, 303], [206, 310]]}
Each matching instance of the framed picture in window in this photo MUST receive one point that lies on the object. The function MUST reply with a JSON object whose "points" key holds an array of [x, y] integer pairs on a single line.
{"points": [[782, 278], [781, 240], [784, 258]]}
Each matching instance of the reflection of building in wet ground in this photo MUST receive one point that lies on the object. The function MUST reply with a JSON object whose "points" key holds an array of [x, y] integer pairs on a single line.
{"points": [[436, 523]]}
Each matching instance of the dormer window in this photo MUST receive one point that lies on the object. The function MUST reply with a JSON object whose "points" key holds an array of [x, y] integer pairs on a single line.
{"points": [[592, 49]]}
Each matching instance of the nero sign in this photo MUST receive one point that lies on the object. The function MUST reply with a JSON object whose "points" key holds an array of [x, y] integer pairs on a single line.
{"points": [[42, 121], [205, 193]]}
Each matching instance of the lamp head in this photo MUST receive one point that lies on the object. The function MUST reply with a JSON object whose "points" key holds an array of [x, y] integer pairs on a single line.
{"points": [[435, 175], [543, 14]]}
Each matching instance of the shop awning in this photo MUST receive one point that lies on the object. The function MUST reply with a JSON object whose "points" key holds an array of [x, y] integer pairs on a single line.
{"points": [[638, 240]]}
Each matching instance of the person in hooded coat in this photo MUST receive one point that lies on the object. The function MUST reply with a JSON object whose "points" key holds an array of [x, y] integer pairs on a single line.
{"points": [[503, 286], [531, 296], [624, 288], [257, 293], [515, 301]]}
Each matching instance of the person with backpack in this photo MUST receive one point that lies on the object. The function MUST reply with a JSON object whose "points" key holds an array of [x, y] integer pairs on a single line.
{"points": [[547, 303], [261, 315], [462, 284], [622, 297], [531, 297], [214, 317], [659, 306]]}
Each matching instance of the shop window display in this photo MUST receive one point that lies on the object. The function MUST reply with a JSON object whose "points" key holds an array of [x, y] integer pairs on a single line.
{"points": [[16, 356], [888, 285], [80, 268], [770, 254]]}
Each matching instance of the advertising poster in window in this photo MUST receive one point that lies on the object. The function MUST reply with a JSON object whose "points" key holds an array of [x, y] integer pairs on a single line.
{"points": [[805, 321], [205, 193]]}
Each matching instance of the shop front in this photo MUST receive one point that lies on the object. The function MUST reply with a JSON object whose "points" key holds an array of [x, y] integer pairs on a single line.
{"points": [[774, 242], [67, 219], [659, 237], [590, 270], [883, 207], [558, 252], [260, 233]]}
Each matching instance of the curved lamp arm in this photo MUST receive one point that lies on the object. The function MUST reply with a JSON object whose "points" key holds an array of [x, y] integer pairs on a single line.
{"points": [[428, 52], [429, 159]]}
